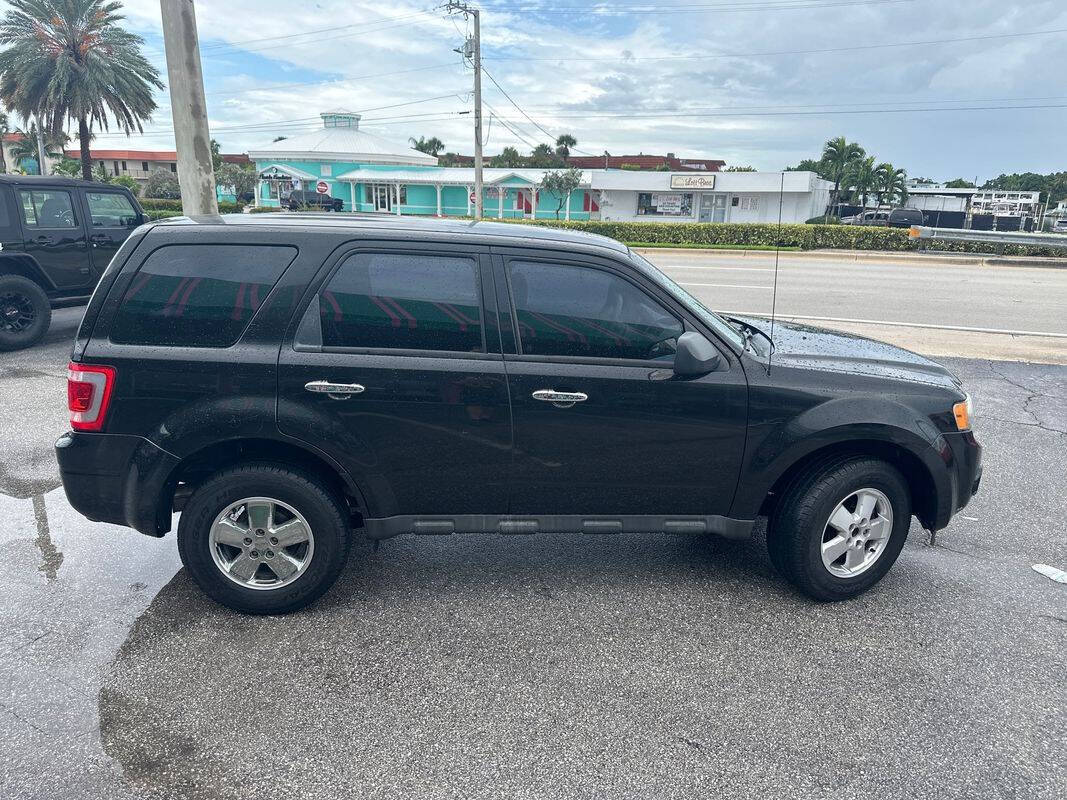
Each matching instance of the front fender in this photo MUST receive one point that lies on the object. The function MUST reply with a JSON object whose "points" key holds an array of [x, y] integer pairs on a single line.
{"points": [[776, 446]]}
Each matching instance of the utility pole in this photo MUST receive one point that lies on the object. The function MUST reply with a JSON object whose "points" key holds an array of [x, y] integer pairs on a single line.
{"points": [[472, 49], [196, 177]]}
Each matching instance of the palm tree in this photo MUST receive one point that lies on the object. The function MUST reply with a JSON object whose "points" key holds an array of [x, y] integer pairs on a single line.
{"points": [[70, 60], [25, 149], [862, 178], [431, 146], [839, 155], [5, 129], [892, 182], [564, 143]]}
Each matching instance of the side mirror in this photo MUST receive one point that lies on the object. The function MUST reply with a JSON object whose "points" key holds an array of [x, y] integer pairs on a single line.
{"points": [[695, 355]]}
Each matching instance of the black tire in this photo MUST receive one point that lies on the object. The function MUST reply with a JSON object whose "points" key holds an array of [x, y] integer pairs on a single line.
{"points": [[799, 522], [325, 514], [25, 313]]}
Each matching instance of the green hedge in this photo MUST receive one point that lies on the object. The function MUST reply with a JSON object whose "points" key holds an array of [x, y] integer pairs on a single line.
{"points": [[151, 215], [156, 204], [803, 237], [263, 209]]}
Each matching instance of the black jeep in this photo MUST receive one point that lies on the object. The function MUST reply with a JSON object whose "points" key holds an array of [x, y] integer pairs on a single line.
{"points": [[57, 236], [286, 382]]}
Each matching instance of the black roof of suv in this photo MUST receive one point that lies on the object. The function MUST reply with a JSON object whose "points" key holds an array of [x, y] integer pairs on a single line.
{"points": [[287, 382]]}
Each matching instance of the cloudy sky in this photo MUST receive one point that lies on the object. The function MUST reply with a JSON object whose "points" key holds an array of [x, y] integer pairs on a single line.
{"points": [[760, 82]]}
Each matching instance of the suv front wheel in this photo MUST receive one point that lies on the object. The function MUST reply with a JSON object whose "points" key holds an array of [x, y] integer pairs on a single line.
{"points": [[263, 539], [840, 526], [25, 312]]}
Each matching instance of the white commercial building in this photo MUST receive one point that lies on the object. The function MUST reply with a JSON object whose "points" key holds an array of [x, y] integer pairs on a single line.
{"points": [[626, 196]]}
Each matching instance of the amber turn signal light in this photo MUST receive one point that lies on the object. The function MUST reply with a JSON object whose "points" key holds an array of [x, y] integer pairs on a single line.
{"points": [[962, 412]]}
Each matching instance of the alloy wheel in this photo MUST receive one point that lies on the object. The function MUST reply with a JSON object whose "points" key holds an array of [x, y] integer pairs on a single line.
{"points": [[16, 312], [856, 534], [261, 543]]}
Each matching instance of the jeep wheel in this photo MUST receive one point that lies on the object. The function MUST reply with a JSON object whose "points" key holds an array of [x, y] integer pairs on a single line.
{"points": [[840, 526], [25, 312], [263, 539]]}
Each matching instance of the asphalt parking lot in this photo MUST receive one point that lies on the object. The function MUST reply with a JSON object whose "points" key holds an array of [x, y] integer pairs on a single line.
{"points": [[542, 667]]}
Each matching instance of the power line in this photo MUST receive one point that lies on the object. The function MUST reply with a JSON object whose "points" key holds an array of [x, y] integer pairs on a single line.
{"points": [[270, 87], [759, 54], [332, 29], [613, 9], [531, 119]]}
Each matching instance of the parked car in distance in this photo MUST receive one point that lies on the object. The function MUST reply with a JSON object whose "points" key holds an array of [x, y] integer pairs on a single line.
{"points": [[1060, 225], [57, 236], [287, 382], [303, 200], [885, 217]]}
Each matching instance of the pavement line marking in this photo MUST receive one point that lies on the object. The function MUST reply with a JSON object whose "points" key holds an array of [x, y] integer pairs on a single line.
{"points": [[712, 266], [1051, 573], [898, 324], [730, 285]]}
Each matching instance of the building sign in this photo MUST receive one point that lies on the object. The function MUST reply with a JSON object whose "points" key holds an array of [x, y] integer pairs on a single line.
{"points": [[692, 181], [274, 174]]}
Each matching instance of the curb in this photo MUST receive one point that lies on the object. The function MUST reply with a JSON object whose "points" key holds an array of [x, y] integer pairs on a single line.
{"points": [[976, 260]]}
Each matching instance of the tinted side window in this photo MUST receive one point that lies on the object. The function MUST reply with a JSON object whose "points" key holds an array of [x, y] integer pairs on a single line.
{"points": [[198, 295], [111, 210], [412, 302], [579, 311], [46, 208]]}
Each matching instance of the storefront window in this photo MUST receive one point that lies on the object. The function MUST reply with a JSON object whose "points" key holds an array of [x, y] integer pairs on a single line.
{"points": [[664, 204]]}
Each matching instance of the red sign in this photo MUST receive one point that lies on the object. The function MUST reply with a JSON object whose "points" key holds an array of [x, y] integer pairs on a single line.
{"points": [[322, 187], [472, 198]]}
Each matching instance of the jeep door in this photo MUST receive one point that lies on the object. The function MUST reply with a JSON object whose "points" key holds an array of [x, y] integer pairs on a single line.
{"points": [[54, 234], [111, 217], [637, 439], [394, 369]]}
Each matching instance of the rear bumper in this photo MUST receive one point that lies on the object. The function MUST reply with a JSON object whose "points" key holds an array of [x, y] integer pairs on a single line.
{"points": [[116, 478]]}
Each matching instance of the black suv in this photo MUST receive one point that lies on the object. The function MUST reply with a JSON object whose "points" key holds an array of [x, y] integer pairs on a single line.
{"points": [[57, 236], [301, 200], [283, 382]]}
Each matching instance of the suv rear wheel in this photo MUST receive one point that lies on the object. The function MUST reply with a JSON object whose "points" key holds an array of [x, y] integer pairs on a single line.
{"points": [[264, 539], [25, 312], [840, 526]]}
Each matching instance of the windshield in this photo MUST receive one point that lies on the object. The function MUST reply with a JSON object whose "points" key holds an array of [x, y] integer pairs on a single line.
{"points": [[707, 316]]}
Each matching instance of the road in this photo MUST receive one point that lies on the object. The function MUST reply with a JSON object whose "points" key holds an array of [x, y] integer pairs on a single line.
{"points": [[923, 303], [540, 667]]}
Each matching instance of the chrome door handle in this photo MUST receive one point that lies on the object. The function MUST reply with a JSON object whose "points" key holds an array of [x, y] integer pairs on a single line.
{"points": [[335, 391], [560, 399]]}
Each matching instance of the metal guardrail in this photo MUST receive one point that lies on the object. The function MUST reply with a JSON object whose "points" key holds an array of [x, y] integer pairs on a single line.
{"points": [[989, 237]]}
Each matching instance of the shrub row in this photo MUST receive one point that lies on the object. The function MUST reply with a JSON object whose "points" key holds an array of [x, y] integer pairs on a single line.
{"points": [[805, 237], [157, 204]]}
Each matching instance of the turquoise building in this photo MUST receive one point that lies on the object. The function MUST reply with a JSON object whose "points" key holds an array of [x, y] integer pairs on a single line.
{"points": [[371, 174]]}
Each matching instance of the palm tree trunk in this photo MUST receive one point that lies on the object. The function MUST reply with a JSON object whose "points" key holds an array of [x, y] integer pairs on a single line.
{"points": [[83, 142]]}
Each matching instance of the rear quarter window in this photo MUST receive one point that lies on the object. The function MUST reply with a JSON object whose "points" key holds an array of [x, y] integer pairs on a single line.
{"points": [[198, 295]]}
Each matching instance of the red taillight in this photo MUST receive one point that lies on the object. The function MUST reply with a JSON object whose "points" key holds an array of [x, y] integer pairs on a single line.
{"points": [[88, 394]]}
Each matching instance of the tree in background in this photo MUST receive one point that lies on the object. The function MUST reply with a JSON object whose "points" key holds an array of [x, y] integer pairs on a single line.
{"points": [[431, 146], [820, 168], [561, 183], [129, 182], [839, 155], [862, 178], [240, 178], [509, 157], [543, 156], [25, 149], [70, 60], [564, 143], [5, 129], [892, 183], [958, 183], [740, 169], [70, 167], [216, 156], [162, 184]]}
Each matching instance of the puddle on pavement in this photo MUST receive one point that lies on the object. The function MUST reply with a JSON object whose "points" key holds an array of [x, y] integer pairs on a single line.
{"points": [[70, 590]]}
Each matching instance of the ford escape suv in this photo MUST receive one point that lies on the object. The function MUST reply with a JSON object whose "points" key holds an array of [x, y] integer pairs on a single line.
{"points": [[286, 383]]}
